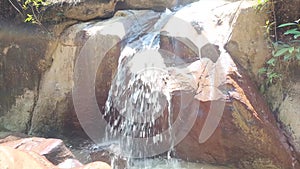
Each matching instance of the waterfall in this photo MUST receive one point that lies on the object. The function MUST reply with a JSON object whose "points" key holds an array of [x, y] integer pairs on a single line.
{"points": [[139, 93]]}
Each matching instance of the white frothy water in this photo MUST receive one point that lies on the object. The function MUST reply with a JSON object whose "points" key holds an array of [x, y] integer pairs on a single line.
{"points": [[139, 94]]}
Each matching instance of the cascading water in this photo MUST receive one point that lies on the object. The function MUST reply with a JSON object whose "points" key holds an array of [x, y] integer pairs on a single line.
{"points": [[140, 95], [152, 85]]}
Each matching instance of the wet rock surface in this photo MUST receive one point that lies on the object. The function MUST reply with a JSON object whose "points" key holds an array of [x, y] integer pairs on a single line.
{"points": [[40, 153], [109, 154], [246, 134], [53, 149]]}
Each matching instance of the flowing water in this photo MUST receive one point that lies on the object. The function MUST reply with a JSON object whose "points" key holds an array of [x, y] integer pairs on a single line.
{"points": [[140, 94]]}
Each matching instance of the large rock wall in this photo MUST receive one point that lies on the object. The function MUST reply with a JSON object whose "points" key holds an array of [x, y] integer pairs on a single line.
{"points": [[22, 63]]}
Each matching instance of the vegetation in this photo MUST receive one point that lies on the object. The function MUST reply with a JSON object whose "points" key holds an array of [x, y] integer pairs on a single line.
{"points": [[31, 10], [285, 53]]}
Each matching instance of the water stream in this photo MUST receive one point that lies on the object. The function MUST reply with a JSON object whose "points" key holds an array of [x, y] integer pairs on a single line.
{"points": [[139, 94]]}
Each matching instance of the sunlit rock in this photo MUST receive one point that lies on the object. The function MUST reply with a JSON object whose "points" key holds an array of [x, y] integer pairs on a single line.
{"points": [[59, 10], [53, 149], [11, 158]]}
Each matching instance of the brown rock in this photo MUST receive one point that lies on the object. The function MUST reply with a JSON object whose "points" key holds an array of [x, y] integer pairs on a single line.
{"points": [[179, 48], [11, 158], [81, 10], [247, 135], [53, 149], [8, 136]]}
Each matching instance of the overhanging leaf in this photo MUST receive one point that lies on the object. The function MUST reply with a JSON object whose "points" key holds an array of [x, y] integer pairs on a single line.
{"points": [[287, 57], [296, 36], [281, 52], [262, 70], [271, 62], [292, 31], [291, 49], [287, 24]]}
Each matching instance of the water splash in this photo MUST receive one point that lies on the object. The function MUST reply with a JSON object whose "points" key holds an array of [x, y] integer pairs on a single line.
{"points": [[139, 95]]}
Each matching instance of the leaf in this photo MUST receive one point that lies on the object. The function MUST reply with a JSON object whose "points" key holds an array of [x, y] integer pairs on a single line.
{"points": [[291, 49], [287, 24], [272, 61], [287, 57], [292, 31], [29, 18], [297, 36], [281, 52], [24, 7], [262, 70], [272, 76]]}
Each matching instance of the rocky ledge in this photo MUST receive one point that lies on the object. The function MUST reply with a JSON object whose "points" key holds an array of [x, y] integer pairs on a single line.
{"points": [[40, 153]]}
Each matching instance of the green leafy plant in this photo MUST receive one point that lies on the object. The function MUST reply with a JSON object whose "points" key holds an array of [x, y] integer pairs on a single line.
{"points": [[284, 55], [31, 10], [35, 7]]}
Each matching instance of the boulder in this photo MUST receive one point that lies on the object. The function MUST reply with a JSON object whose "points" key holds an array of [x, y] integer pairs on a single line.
{"points": [[248, 44], [52, 149], [58, 10], [11, 158], [245, 134], [9, 136]]}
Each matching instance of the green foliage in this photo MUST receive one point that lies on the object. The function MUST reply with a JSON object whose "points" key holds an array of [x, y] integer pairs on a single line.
{"points": [[34, 7], [261, 4], [31, 10], [284, 55]]}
